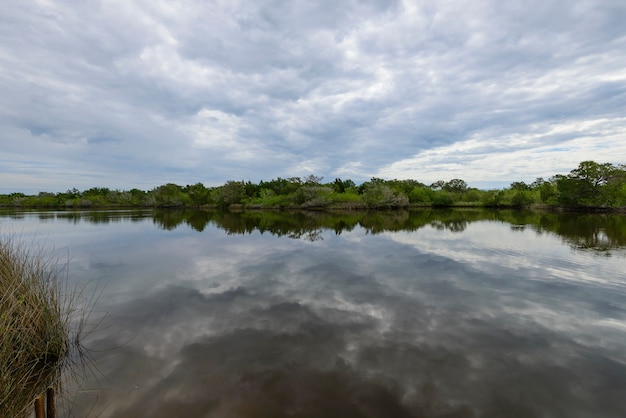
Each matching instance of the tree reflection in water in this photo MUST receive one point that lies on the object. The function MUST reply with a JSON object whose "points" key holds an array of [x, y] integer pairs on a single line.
{"points": [[582, 231], [477, 314]]}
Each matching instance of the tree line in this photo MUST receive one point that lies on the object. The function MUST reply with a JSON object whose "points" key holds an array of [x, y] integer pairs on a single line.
{"points": [[591, 184]]}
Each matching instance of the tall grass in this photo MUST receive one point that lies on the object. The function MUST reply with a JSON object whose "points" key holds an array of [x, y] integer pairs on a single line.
{"points": [[38, 330]]}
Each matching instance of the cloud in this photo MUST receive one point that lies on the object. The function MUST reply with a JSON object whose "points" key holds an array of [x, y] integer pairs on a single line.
{"points": [[553, 148], [291, 88], [417, 324], [427, 323], [239, 351]]}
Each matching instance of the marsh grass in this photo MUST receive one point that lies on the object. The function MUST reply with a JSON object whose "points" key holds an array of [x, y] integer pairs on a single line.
{"points": [[40, 324]]}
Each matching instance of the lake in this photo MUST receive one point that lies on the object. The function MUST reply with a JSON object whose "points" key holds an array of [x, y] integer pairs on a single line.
{"points": [[455, 313]]}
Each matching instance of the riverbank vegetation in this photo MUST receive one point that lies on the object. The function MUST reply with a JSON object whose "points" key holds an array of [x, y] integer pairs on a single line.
{"points": [[590, 185], [597, 232], [36, 338]]}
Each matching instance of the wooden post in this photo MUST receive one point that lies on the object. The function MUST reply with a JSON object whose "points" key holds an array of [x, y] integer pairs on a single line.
{"points": [[40, 409], [51, 411]]}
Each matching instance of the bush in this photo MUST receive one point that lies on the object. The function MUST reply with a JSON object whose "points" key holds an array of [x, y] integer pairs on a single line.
{"points": [[35, 321], [521, 198], [381, 196], [472, 195], [442, 198], [314, 196], [420, 195], [268, 198]]}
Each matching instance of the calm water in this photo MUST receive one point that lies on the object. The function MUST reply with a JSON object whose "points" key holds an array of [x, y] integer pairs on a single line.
{"points": [[404, 314]]}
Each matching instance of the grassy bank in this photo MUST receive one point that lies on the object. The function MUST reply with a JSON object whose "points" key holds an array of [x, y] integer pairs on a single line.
{"points": [[36, 335]]}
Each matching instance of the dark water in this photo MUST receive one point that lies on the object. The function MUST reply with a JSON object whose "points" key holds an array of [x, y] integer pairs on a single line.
{"points": [[402, 314]]}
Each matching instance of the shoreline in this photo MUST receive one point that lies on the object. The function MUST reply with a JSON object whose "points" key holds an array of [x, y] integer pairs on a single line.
{"points": [[335, 208]]}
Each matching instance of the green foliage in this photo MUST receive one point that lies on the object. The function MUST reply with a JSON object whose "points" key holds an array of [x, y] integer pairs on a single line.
{"points": [[614, 190], [198, 194], [575, 192], [455, 186], [442, 198], [519, 185], [521, 198], [593, 173], [313, 180], [421, 195], [377, 194], [251, 190], [403, 186], [169, 195], [548, 193], [473, 195], [591, 184], [493, 198], [269, 199], [438, 185], [350, 198], [620, 195], [282, 186], [46, 199], [314, 195], [341, 186], [231, 193]]}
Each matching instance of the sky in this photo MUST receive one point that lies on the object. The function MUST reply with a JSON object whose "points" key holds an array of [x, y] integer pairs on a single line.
{"points": [[138, 93]]}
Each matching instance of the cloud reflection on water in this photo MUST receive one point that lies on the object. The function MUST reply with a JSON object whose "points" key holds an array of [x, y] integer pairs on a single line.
{"points": [[378, 330], [379, 319]]}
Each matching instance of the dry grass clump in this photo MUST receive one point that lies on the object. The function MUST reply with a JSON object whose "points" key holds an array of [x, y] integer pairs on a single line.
{"points": [[35, 324]]}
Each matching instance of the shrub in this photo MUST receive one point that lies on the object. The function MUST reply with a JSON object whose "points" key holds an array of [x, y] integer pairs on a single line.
{"points": [[378, 195], [35, 326], [442, 198], [420, 195]]}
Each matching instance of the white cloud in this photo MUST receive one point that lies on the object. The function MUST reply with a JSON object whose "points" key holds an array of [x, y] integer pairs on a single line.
{"points": [[214, 129], [259, 89], [521, 157]]}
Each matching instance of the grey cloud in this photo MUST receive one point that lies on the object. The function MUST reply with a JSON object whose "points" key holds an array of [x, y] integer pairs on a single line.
{"points": [[319, 86], [282, 357], [218, 325]]}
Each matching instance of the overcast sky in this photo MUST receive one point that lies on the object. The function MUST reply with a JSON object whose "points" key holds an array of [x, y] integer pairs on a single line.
{"points": [[125, 94]]}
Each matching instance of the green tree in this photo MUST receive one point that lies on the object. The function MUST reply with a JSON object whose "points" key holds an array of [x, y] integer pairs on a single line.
{"points": [[169, 195], [614, 191], [314, 195], [593, 173], [251, 190], [340, 186], [313, 180], [421, 195], [548, 192], [472, 195], [438, 185], [493, 198], [282, 186], [47, 199], [231, 193], [519, 185], [198, 194], [376, 194], [583, 186], [455, 186], [521, 198], [442, 198]]}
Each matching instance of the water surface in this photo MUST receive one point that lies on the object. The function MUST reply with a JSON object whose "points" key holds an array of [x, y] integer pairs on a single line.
{"points": [[399, 314]]}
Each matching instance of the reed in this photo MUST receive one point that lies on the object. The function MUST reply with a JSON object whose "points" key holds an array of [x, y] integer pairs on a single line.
{"points": [[38, 324]]}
